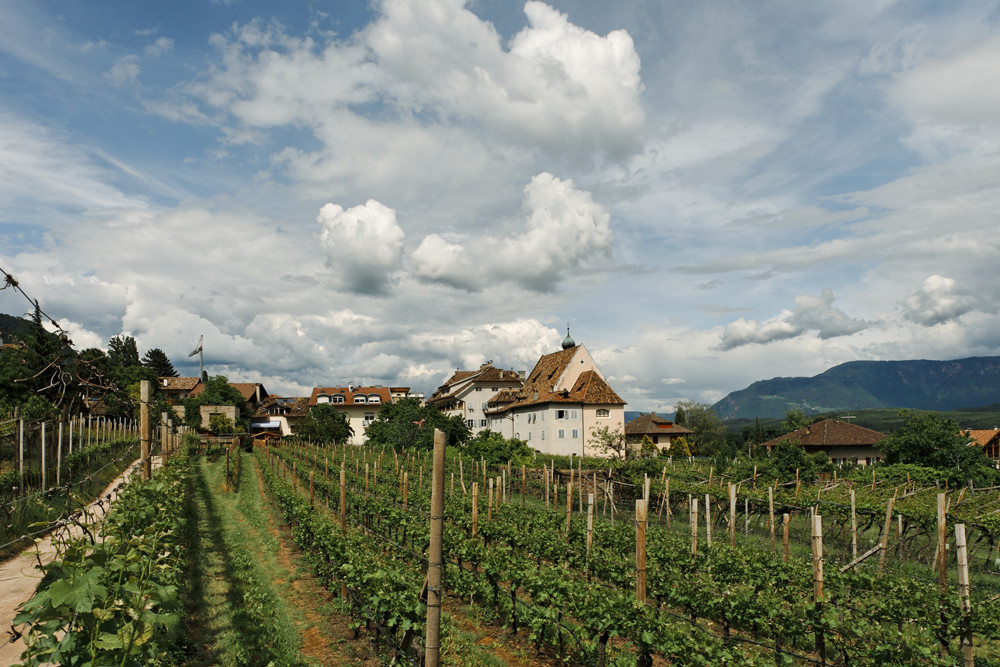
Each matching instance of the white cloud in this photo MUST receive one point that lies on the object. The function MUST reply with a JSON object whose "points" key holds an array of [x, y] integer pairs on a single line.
{"points": [[161, 47], [564, 229], [939, 300], [811, 313], [124, 72], [364, 245]]}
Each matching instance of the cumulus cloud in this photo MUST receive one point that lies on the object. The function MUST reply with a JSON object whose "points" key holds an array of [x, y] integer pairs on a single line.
{"points": [[161, 47], [811, 313], [939, 300], [364, 245], [564, 229], [124, 72]]}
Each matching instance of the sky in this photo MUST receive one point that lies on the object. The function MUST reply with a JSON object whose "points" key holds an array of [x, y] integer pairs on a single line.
{"points": [[707, 193]]}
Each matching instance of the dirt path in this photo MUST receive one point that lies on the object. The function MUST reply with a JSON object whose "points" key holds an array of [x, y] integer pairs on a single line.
{"points": [[19, 576]]}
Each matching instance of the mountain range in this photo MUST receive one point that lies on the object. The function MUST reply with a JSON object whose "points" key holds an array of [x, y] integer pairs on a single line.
{"points": [[867, 385]]}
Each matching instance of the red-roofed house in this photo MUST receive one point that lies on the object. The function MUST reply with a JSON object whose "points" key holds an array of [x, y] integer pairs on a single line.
{"points": [[361, 404], [563, 399], [660, 430], [467, 393], [842, 441], [988, 439]]}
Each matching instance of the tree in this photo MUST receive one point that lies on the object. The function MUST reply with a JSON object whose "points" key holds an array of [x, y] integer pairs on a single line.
{"points": [[156, 360], [220, 424], [794, 420], [680, 447], [122, 352], [647, 449], [407, 423], [325, 423], [932, 440], [217, 391], [680, 418], [610, 442], [497, 450], [709, 432]]}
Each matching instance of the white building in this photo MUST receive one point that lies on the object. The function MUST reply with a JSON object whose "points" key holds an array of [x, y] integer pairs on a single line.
{"points": [[563, 399], [361, 404], [467, 393]]}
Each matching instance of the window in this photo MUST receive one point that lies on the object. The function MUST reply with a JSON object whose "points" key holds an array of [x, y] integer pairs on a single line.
{"points": [[576, 433], [321, 399], [562, 433], [603, 412], [482, 423], [562, 414], [471, 423], [374, 399], [369, 418], [479, 388], [572, 414], [543, 435], [494, 389], [360, 399], [339, 398]]}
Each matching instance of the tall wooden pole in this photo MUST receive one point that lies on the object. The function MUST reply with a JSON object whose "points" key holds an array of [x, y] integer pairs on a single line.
{"points": [[145, 429], [941, 561], [962, 555], [641, 517], [435, 564], [343, 517]]}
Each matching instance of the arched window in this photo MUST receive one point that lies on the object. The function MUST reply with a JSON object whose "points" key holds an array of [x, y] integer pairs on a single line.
{"points": [[374, 398], [321, 399], [339, 398], [603, 412], [360, 399]]}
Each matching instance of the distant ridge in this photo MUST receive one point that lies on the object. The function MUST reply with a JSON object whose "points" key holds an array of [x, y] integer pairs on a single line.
{"points": [[868, 385]]}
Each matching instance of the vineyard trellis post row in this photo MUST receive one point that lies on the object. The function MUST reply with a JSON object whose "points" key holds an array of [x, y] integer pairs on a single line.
{"points": [[435, 559], [146, 429]]}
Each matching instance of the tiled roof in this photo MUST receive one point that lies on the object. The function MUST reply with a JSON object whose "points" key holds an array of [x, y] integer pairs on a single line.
{"points": [[830, 432], [178, 384], [540, 386], [247, 390], [982, 437], [486, 373], [297, 407], [652, 423], [382, 392]]}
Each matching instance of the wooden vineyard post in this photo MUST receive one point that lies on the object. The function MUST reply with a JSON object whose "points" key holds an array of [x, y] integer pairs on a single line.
{"points": [[693, 509], [817, 562], [343, 517], [962, 554], [666, 498], [42, 444], [311, 490], [475, 507], [489, 503], [366, 480], [59, 455], [746, 516], [708, 520], [732, 515], [569, 507], [854, 528], [451, 490], [435, 561], [590, 523], [524, 483], [461, 475], [784, 537], [641, 518], [545, 474], [770, 517], [941, 560], [885, 533], [145, 429]]}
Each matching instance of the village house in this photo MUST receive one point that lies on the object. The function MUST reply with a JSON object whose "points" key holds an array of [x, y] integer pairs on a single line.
{"points": [[661, 431], [988, 439], [562, 400], [279, 415], [842, 441], [360, 404], [466, 393]]}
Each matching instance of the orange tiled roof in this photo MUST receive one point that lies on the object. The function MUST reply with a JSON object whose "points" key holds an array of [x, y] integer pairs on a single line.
{"points": [[297, 407], [983, 437], [486, 373], [654, 424], [540, 386], [830, 432], [178, 384], [383, 393]]}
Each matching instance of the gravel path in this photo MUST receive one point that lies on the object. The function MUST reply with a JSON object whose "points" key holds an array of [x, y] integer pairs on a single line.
{"points": [[20, 575]]}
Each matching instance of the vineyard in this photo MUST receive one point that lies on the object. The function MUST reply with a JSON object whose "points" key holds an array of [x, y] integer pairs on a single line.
{"points": [[540, 564]]}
